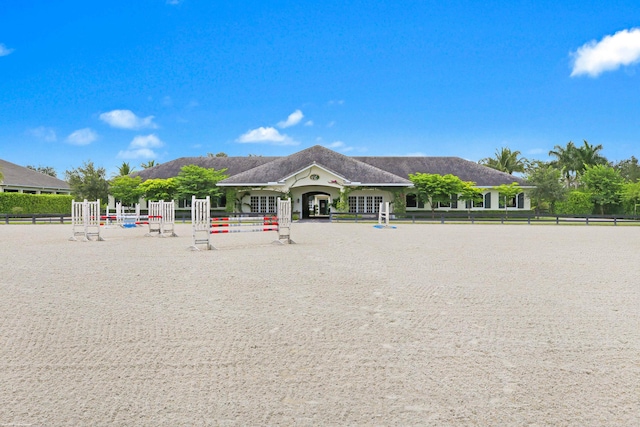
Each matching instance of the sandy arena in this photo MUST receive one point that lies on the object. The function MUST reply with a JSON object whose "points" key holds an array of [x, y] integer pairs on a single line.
{"points": [[437, 325]]}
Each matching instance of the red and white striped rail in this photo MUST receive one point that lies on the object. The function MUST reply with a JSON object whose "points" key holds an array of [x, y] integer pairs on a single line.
{"points": [[243, 224], [204, 226]]}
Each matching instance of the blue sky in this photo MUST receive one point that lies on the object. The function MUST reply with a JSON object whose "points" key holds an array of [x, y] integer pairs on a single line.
{"points": [[132, 81]]}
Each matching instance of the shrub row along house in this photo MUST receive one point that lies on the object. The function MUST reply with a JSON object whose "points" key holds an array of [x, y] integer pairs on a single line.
{"points": [[319, 181]]}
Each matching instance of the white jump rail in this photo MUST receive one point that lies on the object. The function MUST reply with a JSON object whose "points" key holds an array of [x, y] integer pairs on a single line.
{"points": [[204, 227]]}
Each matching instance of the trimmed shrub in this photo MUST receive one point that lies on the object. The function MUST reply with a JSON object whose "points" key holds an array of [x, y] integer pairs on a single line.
{"points": [[577, 203], [35, 203]]}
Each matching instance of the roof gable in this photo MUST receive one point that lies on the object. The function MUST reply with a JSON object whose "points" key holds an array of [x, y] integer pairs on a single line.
{"points": [[353, 171]]}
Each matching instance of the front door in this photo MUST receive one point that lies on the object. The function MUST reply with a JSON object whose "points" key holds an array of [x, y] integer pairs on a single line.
{"points": [[323, 208]]}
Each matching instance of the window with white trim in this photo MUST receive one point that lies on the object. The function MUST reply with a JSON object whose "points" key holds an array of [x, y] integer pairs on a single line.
{"points": [[364, 204], [263, 204]]}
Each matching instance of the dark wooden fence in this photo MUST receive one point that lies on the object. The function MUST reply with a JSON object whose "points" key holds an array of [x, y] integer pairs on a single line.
{"points": [[480, 218], [413, 218]]}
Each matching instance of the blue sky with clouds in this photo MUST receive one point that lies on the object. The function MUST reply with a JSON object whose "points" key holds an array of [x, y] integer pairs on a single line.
{"points": [[161, 79]]}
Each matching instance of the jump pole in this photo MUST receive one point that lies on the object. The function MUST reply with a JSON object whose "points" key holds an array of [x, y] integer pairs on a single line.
{"points": [[203, 226]]}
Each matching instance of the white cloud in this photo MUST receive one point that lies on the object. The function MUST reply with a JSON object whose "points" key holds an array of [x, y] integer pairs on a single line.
{"points": [[44, 133], [141, 147], [293, 119], [266, 135], [141, 153], [309, 123], [4, 51], [336, 102], [126, 119], [594, 58], [82, 137], [148, 141]]}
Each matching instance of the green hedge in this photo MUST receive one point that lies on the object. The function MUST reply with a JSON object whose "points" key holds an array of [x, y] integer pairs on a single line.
{"points": [[22, 203]]}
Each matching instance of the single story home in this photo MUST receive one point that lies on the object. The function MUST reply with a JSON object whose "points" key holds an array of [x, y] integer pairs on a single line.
{"points": [[18, 179], [317, 178]]}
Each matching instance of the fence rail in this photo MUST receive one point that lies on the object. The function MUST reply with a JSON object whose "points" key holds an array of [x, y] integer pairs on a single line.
{"points": [[473, 218], [441, 218]]}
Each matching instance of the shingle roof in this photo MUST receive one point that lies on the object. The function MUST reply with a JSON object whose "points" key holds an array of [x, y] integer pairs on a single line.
{"points": [[19, 176], [365, 170], [346, 167], [234, 165], [464, 169]]}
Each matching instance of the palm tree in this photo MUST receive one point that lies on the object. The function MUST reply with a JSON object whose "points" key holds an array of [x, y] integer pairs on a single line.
{"points": [[588, 155], [505, 160], [566, 161], [149, 164], [125, 169]]}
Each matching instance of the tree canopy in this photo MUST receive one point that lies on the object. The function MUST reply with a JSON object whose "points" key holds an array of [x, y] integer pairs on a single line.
{"points": [[88, 182], [197, 181], [126, 189], [433, 188], [604, 183], [573, 160], [547, 183], [505, 160], [159, 189]]}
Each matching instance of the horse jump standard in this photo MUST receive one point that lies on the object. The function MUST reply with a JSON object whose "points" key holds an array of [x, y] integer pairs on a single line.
{"points": [[204, 226], [85, 219], [162, 218]]}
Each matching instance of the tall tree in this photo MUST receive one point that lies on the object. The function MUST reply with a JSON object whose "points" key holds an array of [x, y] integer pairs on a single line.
{"points": [[197, 181], [629, 169], [566, 162], [88, 182], [125, 169], [47, 170], [631, 194], [588, 155], [605, 184], [505, 160], [547, 185]]}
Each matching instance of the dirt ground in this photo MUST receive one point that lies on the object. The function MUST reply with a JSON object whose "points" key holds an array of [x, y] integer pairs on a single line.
{"points": [[441, 325]]}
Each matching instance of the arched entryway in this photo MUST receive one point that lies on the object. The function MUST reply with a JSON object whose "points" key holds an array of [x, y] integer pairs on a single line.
{"points": [[316, 204]]}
